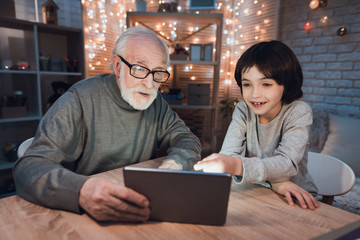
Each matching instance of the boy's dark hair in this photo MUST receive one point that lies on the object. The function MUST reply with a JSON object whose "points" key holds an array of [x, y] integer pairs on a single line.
{"points": [[277, 61]]}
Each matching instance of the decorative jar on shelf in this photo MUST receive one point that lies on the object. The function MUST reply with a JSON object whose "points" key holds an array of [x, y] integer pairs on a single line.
{"points": [[140, 6]]}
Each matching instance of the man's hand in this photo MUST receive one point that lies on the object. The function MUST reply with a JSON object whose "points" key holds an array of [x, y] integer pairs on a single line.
{"points": [[107, 200], [221, 163], [289, 189], [171, 164]]}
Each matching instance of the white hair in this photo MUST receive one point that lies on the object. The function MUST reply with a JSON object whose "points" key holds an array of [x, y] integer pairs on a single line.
{"points": [[120, 45]]}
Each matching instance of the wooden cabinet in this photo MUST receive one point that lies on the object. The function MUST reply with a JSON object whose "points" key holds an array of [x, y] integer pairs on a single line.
{"points": [[196, 74], [32, 56]]}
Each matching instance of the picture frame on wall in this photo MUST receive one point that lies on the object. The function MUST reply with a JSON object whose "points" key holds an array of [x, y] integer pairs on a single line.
{"points": [[202, 4], [195, 52], [207, 52], [201, 52]]}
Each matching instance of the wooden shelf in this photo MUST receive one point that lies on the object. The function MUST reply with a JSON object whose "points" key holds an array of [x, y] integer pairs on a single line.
{"points": [[19, 71], [61, 73], [30, 40], [20, 119], [190, 28], [155, 17]]}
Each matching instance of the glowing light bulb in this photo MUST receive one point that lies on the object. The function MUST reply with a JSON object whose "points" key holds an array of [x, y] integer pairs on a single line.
{"points": [[307, 26], [314, 4], [324, 19]]}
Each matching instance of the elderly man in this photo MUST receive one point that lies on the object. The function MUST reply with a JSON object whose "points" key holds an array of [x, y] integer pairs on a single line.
{"points": [[106, 122]]}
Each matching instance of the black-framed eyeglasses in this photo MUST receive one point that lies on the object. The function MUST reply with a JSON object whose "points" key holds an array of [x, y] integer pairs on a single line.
{"points": [[142, 72]]}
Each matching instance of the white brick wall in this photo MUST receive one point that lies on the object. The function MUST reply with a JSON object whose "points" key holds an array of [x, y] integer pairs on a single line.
{"points": [[331, 64]]}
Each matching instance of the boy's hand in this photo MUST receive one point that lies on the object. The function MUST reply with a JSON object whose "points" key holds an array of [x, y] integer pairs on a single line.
{"points": [[221, 163], [289, 189]]}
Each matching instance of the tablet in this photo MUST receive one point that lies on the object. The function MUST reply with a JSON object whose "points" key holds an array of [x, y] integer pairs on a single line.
{"points": [[182, 196]]}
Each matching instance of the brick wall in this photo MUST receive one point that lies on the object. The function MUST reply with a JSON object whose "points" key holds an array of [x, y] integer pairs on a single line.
{"points": [[331, 63]]}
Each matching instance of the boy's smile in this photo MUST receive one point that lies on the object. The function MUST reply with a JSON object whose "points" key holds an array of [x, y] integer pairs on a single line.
{"points": [[261, 94]]}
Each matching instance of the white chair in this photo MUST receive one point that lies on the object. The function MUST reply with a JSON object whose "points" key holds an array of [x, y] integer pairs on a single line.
{"points": [[23, 146], [331, 176]]}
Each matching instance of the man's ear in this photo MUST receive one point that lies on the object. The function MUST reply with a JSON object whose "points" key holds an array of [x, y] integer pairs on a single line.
{"points": [[116, 65]]}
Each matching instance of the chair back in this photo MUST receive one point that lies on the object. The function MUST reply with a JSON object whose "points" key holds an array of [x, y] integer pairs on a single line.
{"points": [[23, 146], [331, 176]]}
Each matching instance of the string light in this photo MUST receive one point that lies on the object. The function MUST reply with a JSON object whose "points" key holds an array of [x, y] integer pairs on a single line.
{"points": [[314, 4], [307, 26], [101, 16], [324, 19]]}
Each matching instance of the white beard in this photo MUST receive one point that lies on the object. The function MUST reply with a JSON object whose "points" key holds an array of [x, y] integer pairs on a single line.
{"points": [[127, 94]]}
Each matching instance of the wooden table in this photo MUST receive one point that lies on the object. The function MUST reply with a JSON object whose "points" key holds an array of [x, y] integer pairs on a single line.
{"points": [[254, 212]]}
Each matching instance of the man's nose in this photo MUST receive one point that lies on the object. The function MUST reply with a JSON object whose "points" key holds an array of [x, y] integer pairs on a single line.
{"points": [[148, 81]]}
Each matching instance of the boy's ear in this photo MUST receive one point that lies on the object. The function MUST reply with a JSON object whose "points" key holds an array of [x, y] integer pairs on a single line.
{"points": [[115, 60]]}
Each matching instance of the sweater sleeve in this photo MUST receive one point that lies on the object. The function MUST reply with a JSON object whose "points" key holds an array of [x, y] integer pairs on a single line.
{"points": [[182, 145], [234, 142], [44, 175]]}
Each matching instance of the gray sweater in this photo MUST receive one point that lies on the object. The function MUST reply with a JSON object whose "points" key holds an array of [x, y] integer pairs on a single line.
{"points": [[91, 129], [274, 152]]}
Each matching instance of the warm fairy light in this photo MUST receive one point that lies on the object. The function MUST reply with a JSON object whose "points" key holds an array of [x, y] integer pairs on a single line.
{"points": [[307, 26], [102, 15], [314, 4], [324, 19], [192, 78]]}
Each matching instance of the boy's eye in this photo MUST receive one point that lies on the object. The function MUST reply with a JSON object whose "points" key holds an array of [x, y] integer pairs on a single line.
{"points": [[245, 84], [267, 84]]}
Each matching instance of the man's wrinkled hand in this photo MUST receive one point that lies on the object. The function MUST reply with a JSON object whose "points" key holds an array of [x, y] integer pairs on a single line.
{"points": [[107, 200], [171, 164]]}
